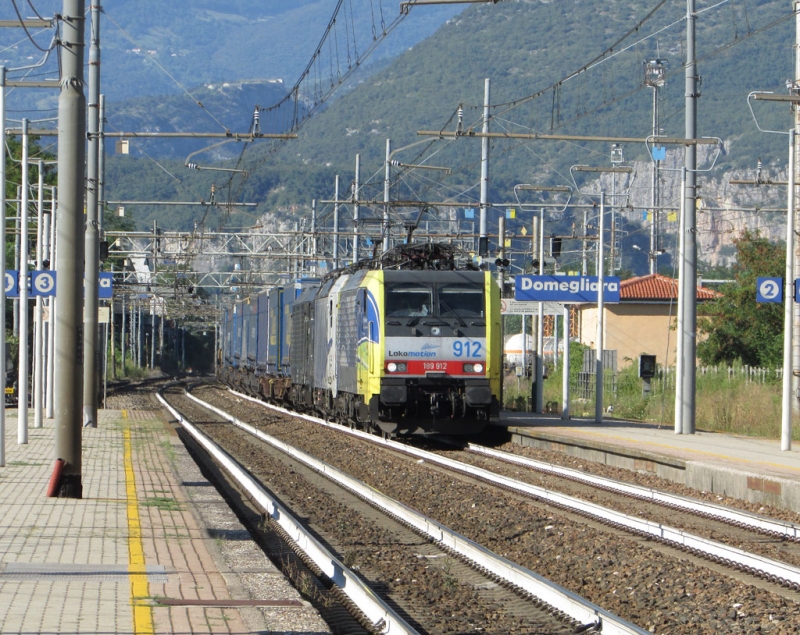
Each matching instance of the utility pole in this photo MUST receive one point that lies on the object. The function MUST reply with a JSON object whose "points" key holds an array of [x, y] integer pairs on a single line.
{"points": [[654, 76], [598, 369], [788, 306], [336, 225], [538, 370], [3, 368], [314, 233], [356, 197], [123, 334], [52, 302], [483, 239], [22, 406], [69, 265], [585, 244], [38, 336], [795, 244], [537, 255], [91, 233], [101, 167], [387, 174], [689, 281], [47, 217]]}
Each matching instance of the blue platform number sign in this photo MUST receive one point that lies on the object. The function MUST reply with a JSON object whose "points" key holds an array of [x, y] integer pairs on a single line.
{"points": [[769, 290], [12, 284], [43, 283]]}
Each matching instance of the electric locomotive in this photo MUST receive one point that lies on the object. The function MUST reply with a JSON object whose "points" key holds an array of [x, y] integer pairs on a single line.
{"points": [[405, 344]]}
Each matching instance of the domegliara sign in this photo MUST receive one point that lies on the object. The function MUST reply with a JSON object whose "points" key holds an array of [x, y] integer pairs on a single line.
{"points": [[565, 288]]}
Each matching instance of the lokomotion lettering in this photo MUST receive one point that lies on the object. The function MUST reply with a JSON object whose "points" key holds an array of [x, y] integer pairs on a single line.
{"points": [[411, 353]]}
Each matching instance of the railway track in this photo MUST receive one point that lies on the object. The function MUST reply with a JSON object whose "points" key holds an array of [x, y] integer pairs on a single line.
{"points": [[648, 582], [417, 566]]}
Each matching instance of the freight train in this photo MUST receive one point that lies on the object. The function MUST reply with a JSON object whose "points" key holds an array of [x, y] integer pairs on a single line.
{"points": [[402, 344]]}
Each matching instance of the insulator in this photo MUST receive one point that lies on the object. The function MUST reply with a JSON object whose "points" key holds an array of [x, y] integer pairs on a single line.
{"points": [[191, 166]]}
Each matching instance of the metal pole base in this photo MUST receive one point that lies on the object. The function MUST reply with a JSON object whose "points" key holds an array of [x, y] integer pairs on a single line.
{"points": [[89, 416], [71, 486]]}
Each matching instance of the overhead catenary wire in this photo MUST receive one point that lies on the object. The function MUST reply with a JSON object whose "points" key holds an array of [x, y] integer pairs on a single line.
{"points": [[200, 104], [25, 28]]}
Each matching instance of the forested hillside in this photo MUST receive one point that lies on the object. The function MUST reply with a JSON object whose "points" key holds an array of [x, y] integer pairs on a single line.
{"points": [[208, 41], [529, 46], [572, 68]]}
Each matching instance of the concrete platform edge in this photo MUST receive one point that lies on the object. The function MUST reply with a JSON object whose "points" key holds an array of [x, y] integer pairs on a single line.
{"points": [[743, 485]]}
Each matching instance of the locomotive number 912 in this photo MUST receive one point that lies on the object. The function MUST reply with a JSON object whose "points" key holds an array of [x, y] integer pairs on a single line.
{"points": [[406, 344]]}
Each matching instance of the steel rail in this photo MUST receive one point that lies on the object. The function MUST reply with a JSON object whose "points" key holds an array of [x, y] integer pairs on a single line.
{"points": [[569, 603], [727, 514], [383, 617], [779, 572]]}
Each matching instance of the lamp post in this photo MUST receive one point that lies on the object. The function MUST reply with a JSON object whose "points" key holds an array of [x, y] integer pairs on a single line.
{"points": [[655, 77], [790, 307]]}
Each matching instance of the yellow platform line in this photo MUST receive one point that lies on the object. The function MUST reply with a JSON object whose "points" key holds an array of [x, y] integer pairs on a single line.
{"points": [[142, 613]]}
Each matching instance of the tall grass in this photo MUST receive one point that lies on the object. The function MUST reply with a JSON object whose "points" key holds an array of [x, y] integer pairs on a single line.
{"points": [[726, 402]]}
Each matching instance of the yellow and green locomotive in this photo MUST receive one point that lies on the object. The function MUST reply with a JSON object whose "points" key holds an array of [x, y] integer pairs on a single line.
{"points": [[407, 344]]}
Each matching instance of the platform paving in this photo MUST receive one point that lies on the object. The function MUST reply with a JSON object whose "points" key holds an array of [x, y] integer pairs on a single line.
{"points": [[150, 548]]}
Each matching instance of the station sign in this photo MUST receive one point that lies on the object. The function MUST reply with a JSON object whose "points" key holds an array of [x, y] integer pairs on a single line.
{"points": [[568, 289], [42, 283]]}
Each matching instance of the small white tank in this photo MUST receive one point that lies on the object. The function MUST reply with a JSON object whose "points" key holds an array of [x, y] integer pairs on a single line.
{"points": [[513, 349]]}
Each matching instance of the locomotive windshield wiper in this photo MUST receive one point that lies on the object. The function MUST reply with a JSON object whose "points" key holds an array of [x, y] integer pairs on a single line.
{"points": [[447, 308]]}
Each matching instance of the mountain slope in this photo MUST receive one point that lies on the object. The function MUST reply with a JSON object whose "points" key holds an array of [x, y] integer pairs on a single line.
{"points": [[527, 46], [207, 41]]}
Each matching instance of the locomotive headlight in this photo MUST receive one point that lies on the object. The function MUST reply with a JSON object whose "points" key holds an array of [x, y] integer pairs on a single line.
{"points": [[396, 367], [473, 368]]}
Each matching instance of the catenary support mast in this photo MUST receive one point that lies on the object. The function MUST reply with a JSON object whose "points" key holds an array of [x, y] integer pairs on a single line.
{"points": [[69, 260]]}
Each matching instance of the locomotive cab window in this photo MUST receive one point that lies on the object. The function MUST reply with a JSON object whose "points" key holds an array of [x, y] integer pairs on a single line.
{"points": [[407, 300], [461, 300]]}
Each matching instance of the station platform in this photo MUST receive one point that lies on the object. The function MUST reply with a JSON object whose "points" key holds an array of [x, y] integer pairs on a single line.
{"points": [[745, 468], [150, 548]]}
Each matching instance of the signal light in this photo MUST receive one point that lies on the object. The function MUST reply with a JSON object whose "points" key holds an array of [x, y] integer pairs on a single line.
{"points": [[555, 246], [502, 262]]}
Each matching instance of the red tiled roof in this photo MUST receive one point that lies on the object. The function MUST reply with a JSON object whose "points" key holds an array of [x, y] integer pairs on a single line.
{"points": [[657, 287]]}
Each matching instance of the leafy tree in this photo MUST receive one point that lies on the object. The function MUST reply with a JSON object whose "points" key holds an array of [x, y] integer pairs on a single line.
{"points": [[739, 328]]}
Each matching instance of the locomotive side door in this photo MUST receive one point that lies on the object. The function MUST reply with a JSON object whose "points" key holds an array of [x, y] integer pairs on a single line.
{"points": [[364, 350]]}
